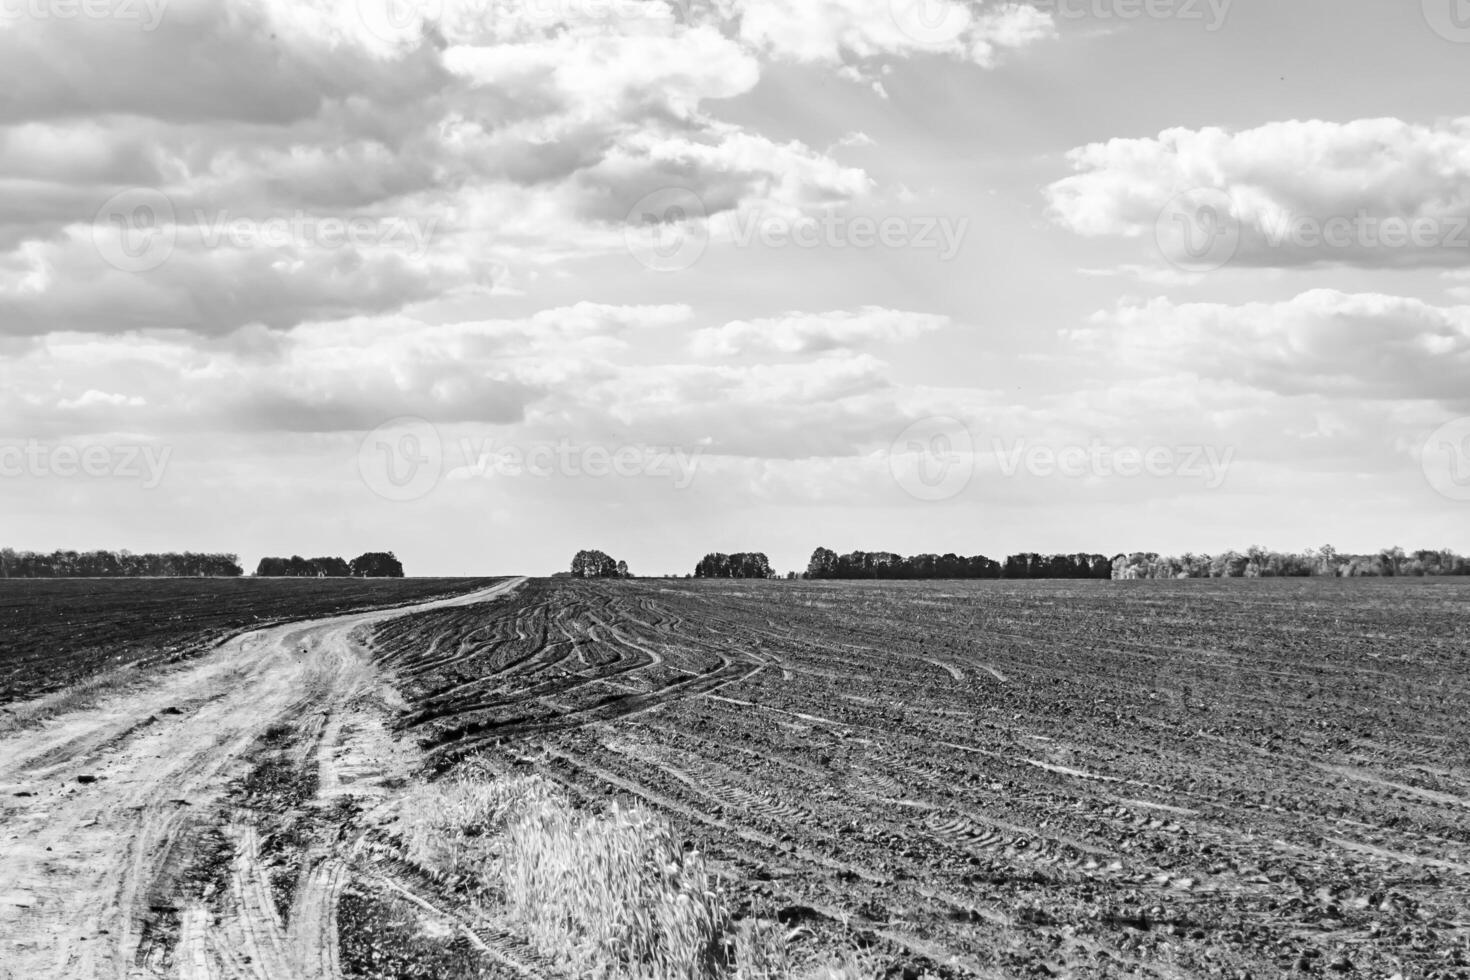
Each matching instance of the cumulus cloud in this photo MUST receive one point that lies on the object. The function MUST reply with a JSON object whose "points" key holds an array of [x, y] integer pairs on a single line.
{"points": [[1371, 192], [1324, 342], [342, 375], [257, 63], [807, 333], [833, 31], [504, 137]]}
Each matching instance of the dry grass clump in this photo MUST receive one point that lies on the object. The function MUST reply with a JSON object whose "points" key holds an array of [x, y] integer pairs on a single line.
{"points": [[452, 827], [85, 695], [81, 696], [616, 893], [611, 895], [762, 951]]}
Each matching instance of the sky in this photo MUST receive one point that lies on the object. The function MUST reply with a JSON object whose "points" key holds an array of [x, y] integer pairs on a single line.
{"points": [[484, 283]]}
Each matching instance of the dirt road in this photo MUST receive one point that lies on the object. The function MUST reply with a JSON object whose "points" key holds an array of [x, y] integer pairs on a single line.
{"points": [[132, 835]]}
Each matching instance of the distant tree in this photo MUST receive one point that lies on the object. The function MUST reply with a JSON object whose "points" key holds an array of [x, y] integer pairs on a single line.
{"points": [[1262, 562], [115, 564], [331, 567], [298, 567], [753, 564], [376, 564], [823, 564], [889, 565], [623, 570], [713, 565], [594, 564]]}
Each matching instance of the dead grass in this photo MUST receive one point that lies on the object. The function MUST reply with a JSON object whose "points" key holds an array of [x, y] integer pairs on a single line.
{"points": [[610, 895], [451, 827], [847, 966], [81, 696], [615, 892]]}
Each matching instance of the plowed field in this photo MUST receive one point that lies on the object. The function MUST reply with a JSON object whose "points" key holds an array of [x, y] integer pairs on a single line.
{"points": [[1239, 778]]}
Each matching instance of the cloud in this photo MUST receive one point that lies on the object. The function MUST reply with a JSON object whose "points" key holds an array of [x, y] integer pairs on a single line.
{"points": [[1008, 27], [807, 333], [1371, 192], [833, 31], [857, 138], [1364, 346], [507, 137], [344, 375], [545, 376], [260, 63]]}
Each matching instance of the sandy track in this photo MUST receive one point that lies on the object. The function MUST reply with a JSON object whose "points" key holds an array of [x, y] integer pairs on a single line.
{"points": [[104, 811]]}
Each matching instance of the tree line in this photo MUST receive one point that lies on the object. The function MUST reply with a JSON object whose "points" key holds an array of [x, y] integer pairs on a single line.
{"points": [[1258, 562], [744, 564], [115, 564], [598, 564], [826, 563], [372, 564]]}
